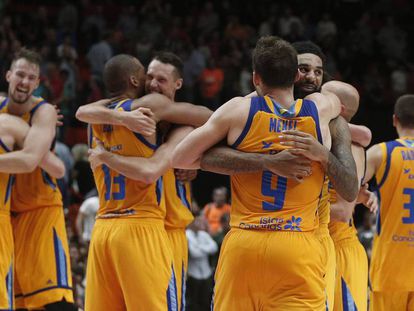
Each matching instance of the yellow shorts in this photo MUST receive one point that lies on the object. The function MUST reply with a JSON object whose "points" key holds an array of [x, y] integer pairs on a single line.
{"points": [[42, 264], [351, 290], [130, 266], [329, 257], [179, 247], [261, 270], [6, 264], [385, 301]]}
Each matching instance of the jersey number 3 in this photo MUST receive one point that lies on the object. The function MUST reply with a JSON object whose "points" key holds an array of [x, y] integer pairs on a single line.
{"points": [[409, 206]]}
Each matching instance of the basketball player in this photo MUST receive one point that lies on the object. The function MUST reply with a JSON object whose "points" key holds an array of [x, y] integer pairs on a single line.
{"points": [[289, 264], [13, 131], [42, 265], [339, 163], [392, 165], [138, 269]]}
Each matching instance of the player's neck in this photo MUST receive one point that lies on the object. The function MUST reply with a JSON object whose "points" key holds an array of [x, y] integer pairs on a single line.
{"points": [[283, 96], [19, 109], [404, 132]]}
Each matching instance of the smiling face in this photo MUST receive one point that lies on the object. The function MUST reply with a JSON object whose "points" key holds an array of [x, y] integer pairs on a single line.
{"points": [[310, 74], [23, 79], [162, 78]]}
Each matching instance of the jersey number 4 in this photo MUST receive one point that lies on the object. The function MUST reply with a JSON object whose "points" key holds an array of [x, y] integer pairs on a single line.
{"points": [[109, 182], [277, 193]]}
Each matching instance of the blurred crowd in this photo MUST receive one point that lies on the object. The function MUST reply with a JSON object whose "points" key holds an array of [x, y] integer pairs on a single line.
{"points": [[366, 43]]}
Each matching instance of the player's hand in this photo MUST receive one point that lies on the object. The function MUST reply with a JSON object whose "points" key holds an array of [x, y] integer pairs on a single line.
{"points": [[96, 153], [368, 199], [140, 121], [289, 165], [59, 121], [304, 144], [185, 175]]}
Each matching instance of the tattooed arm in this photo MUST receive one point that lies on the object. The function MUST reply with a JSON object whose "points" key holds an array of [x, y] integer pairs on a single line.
{"points": [[228, 161], [338, 164]]}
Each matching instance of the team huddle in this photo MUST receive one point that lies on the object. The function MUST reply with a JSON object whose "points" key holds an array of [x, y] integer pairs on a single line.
{"points": [[297, 166]]}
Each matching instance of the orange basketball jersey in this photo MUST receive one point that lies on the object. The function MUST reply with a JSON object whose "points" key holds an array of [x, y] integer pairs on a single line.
{"points": [[36, 189], [118, 195], [265, 200], [392, 266]]}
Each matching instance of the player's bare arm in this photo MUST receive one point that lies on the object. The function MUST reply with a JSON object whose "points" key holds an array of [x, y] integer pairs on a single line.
{"points": [[374, 160], [227, 161], [339, 164], [342, 210], [188, 153], [139, 120], [177, 113], [35, 142], [147, 170], [360, 134]]}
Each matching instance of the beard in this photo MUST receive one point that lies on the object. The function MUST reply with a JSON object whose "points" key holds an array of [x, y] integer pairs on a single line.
{"points": [[20, 98], [303, 89]]}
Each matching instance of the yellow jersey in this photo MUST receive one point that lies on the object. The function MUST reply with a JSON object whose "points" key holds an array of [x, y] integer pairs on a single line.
{"points": [[36, 189], [392, 266], [267, 201], [6, 182], [177, 201], [120, 196], [324, 206], [340, 231]]}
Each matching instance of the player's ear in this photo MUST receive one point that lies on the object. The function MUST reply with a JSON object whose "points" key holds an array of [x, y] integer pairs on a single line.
{"points": [[134, 81], [256, 79], [178, 84], [394, 120], [8, 75]]}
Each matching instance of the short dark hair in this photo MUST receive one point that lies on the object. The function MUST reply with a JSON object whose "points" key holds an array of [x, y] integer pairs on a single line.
{"points": [[404, 110], [303, 47], [117, 71], [275, 61], [30, 55], [171, 59]]}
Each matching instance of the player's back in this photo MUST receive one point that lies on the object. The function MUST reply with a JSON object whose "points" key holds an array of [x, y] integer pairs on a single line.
{"points": [[267, 201], [393, 251], [36, 189], [118, 195]]}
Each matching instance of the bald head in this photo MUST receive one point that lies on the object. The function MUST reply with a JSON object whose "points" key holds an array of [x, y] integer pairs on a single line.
{"points": [[347, 94], [122, 74]]}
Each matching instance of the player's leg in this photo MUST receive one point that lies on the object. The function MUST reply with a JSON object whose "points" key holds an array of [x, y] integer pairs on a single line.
{"points": [[239, 271], [42, 262], [179, 247], [6, 264], [386, 301], [329, 257]]}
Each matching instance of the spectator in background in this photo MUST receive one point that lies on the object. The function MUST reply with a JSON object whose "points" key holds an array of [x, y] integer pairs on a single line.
{"points": [[98, 54], [366, 234], [86, 218], [199, 282], [83, 181], [214, 211], [219, 237], [211, 84], [63, 152]]}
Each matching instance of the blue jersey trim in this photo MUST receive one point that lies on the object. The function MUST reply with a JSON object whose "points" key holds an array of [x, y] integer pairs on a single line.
{"points": [[158, 189], [145, 142], [348, 303], [172, 293], [256, 104], [309, 109], [182, 193], [126, 105], [9, 188], [48, 180], [10, 287], [60, 258], [183, 287], [33, 110], [391, 145], [3, 145], [4, 102]]}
